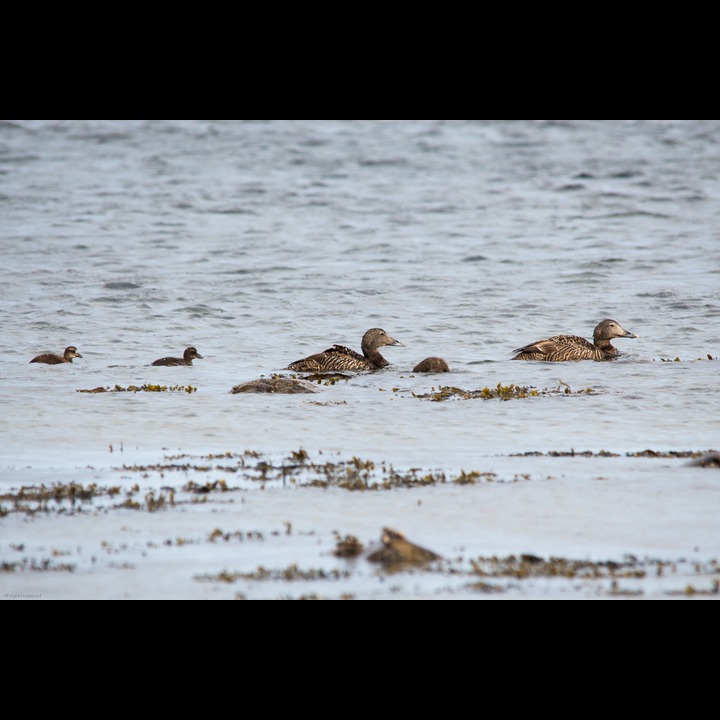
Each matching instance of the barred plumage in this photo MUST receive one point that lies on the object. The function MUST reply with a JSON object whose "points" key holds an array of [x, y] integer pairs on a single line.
{"points": [[560, 348], [339, 357]]}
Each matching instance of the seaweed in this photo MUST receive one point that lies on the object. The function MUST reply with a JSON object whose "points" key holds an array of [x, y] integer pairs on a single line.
{"points": [[500, 391], [677, 359], [142, 388]]}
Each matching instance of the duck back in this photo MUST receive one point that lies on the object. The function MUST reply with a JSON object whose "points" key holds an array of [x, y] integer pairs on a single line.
{"points": [[338, 357], [559, 348]]}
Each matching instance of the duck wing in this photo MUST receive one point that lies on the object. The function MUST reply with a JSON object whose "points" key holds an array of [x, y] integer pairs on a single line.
{"points": [[574, 341], [543, 347], [557, 343], [168, 361], [345, 352], [48, 359], [334, 358]]}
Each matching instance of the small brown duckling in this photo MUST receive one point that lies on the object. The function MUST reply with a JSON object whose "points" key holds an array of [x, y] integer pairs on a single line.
{"points": [[188, 356], [54, 359], [339, 357], [432, 365]]}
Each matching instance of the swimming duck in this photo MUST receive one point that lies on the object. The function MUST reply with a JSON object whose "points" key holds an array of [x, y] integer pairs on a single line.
{"points": [[54, 359], [572, 347], [339, 357], [187, 358], [432, 364]]}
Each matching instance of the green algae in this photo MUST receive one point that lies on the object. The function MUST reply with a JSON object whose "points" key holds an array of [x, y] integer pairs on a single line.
{"points": [[677, 359], [251, 468], [500, 392], [394, 555], [290, 573], [709, 455], [142, 388]]}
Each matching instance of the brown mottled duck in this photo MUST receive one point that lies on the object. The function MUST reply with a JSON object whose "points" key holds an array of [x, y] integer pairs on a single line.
{"points": [[560, 348], [339, 357]]}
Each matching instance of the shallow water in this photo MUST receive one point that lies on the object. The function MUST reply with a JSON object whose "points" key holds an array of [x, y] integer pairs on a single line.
{"points": [[260, 242]]}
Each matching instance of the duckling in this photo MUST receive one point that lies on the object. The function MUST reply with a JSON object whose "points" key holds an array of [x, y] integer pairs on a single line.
{"points": [[559, 348], [432, 365], [339, 357], [54, 359], [188, 356]]}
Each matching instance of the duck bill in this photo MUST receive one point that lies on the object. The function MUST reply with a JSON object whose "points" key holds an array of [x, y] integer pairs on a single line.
{"points": [[629, 334]]}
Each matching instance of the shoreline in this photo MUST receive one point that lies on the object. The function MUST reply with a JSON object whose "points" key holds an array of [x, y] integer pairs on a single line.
{"points": [[241, 526]]}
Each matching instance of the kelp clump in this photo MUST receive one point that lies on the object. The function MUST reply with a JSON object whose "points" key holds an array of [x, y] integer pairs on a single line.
{"points": [[500, 392], [142, 388], [677, 359]]}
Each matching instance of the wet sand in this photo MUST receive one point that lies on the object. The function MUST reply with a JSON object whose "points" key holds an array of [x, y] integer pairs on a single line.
{"points": [[244, 526]]}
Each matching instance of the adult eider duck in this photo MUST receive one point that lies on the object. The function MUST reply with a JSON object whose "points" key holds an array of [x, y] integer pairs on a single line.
{"points": [[339, 357], [54, 359], [572, 347], [432, 365], [188, 356]]}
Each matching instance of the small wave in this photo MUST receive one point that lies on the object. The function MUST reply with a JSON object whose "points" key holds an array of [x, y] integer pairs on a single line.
{"points": [[230, 211], [604, 261], [633, 213], [625, 174], [121, 285], [44, 325], [589, 277], [657, 294], [201, 310], [385, 162], [103, 137]]}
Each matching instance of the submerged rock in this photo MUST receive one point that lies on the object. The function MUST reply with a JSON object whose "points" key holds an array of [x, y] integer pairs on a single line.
{"points": [[710, 460], [281, 385], [432, 365]]}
